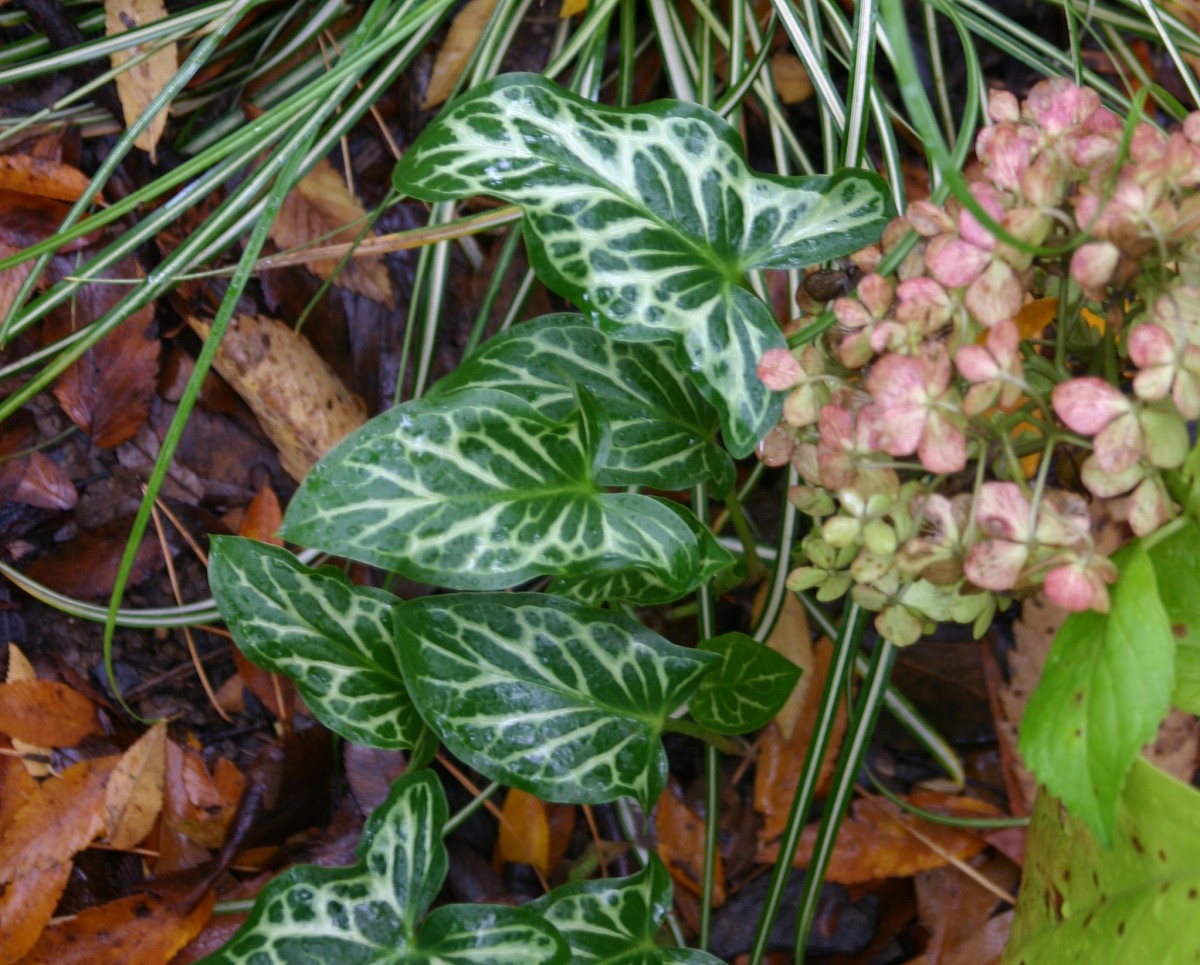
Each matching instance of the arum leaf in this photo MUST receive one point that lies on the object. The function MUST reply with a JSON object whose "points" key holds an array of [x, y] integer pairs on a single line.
{"points": [[616, 919], [1177, 570], [561, 700], [334, 639], [370, 912], [747, 690], [1135, 901], [663, 432], [1106, 687], [477, 490], [648, 220]]}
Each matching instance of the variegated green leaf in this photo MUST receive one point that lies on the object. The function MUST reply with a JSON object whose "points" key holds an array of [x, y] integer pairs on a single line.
{"points": [[747, 689], [562, 700], [369, 913], [477, 490], [333, 638], [648, 219], [663, 432], [616, 920]]}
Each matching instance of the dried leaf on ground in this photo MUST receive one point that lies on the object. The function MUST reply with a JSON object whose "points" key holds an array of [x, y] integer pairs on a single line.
{"points": [[19, 668], [455, 53], [263, 517], [65, 815], [570, 8], [301, 404], [17, 786], [792, 82], [874, 843], [780, 761], [791, 637], [956, 909], [86, 566], [142, 929], [26, 905], [134, 794], [322, 207], [34, 479], [680, 834], [197, 808], [108, 392], [524, 836], [46, 713], [142, 81], [42, 177], [371, 772], [11, 279]]}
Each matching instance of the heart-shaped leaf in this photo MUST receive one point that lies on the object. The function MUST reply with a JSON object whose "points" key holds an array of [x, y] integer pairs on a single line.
{"points": [[1082, 902], [477, 490], [747, 689], [370, 913], [562, 700], [648, 220], [334, 639], [662, 430], [1106, 688], [617, 919]]}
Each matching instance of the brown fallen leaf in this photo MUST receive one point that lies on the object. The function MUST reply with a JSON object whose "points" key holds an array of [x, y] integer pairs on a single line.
{"points": [[873, 842], [133, 798], [371, 772], [16, 787], [322, 207], [66, 815], [792, 637], [780, 760], [455, 53], [30, 218], [46, 713], [142, 81], [42, 177], [108, 392], [26, 905], [953, 907], [86, 566], [197, 808], [141, 929], [792, 82], [263, 517], [19, 668], [680, 834], [524, 836], [301, 404], [11, 279], [37, 480]]}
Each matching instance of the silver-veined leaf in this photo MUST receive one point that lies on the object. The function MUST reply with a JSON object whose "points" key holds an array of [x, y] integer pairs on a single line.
{"points": [[477, 490], [747, 689], [334, 639], [562, 700], [648, 220], [663, 432], [615, 920], [370, 913]]}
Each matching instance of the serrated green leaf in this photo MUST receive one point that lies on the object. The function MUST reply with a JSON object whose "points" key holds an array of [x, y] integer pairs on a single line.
{"points": [[648, 220], [1177, 570], [1106, 688], [747, 689], [477, 490], [1082, 903], [561, 700], [616, 919], [663, 432], [334, 639]]}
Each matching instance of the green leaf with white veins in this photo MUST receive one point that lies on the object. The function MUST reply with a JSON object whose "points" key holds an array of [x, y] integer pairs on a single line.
{"points": [[370, 913], [616, 920], [648, 220], [561, 700], [663, 432], [477, 490], [334, 639], [746, 691]]}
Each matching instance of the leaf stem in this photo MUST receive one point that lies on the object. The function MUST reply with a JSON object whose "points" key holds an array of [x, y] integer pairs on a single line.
{"points": [[741, 526], [726, 745]]}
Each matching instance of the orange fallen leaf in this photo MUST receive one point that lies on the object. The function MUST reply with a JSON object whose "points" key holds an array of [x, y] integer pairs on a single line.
{"points": [[524, 836], [197, 807], [873, 842], [42, 177], [570, 8], [26, 905], [143, 929], [457, 49], [19, 668], [134, 794], [16, 787], [780, 760], [792, 82], [792, 637], [680, 833], [146, 76], [1034, 316], [63, 817], [321, 206], [263, 517], [301, 404], [46, 713]]}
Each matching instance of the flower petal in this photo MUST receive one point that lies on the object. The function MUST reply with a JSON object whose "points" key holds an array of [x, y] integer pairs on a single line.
{"points": [[995, 564], [1088, 404]]}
